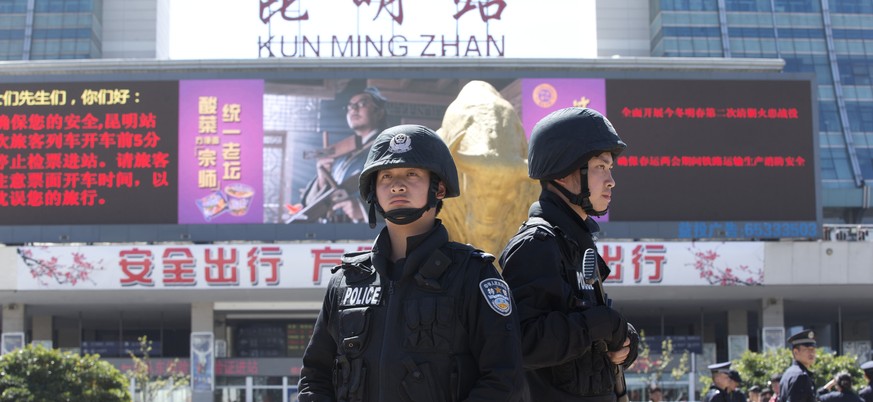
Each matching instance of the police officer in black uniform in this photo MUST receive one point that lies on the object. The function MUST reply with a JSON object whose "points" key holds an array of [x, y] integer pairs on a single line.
{"points": [[734, 394], [797, 383], [720, 377], [866, 393], [417, 318], [844, 392], [570, 349]]}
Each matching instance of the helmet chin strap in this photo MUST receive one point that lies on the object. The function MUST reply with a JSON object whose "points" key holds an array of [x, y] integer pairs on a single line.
{"points": [[583, 199], [402, 216]]}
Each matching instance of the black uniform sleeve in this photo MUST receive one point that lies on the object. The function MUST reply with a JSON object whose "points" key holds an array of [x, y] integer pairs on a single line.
{"points": [[827, 396], [316, 376], [494, 341], [551, 334]]}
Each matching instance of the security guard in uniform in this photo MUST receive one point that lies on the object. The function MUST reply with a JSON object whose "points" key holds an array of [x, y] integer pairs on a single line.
{"points": [[417, 318], [571, 349], [866, 393], [734, 394], [797, 383], [720, 377]]}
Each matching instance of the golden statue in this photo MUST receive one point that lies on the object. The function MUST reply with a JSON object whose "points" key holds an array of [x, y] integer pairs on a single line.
{"points": [[487, 140]]}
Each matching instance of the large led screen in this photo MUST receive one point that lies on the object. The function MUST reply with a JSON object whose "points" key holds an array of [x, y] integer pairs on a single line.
{"points": [[709, 156]]}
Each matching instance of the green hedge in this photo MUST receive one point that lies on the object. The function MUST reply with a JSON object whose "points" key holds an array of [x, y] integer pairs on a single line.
{"points": [[37, 374]]}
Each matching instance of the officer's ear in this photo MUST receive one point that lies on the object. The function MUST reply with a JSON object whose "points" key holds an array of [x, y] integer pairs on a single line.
{"points": [[570, 180], [441, 190]]}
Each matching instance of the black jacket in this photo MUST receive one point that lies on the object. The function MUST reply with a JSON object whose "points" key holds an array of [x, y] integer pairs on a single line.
{"points": [[837, 396], [557, 337], [438, 325], [866, 393], [714, 394], [797, 384]]}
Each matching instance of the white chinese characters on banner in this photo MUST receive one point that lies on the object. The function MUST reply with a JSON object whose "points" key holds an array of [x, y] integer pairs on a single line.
{"points": [[289, 266]]}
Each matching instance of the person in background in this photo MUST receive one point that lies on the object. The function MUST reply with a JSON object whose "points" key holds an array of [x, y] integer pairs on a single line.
{"points": [[774, 385], [843, 393], [720, 380], [766, 394], [866, 393], [734, 393], [797, 383], [754, 394], [655, 394]]}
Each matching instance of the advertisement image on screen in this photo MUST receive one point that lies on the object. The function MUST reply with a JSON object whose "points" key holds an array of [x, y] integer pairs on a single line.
{"points": [[317, 135], [88, 153], [221, 168]]}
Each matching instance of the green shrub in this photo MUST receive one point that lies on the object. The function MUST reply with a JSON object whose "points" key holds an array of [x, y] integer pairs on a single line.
{"points": [[37, 374]]}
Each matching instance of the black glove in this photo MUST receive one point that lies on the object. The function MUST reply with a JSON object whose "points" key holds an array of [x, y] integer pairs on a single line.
{"points": [[634, 346], [607, 324], [619, 331]]}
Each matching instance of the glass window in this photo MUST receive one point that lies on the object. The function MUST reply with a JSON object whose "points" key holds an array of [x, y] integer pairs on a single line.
{"points": [[811, 33], [841, 163], [752, 32], [860, 115], [11, 21], [862, 140], [753, 45], [864, 92], [692, 31], [853, 34], [11, 34], [855, 70], [851, 6], [693, 5], [747, 5], [13, 6], [798, 6], [828, 119], [865, 161]]}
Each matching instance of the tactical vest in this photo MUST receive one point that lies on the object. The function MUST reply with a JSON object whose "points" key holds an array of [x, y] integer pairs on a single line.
{"points": [[416, 321]]}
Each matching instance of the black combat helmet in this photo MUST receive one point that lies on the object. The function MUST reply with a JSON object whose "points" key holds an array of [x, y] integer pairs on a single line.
{"points": [[564, 141], [408, 146]]}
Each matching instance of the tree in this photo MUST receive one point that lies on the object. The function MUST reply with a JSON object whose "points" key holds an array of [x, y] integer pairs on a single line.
{"points": [[645, 363], [34, 374], [147, 385]]}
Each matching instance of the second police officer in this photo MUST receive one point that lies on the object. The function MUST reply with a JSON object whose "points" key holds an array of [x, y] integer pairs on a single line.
{"points": [[417, 318], [571, 153]]}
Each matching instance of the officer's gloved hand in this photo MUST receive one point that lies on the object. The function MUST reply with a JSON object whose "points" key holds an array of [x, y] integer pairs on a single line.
{"points": [[607, 324], [634, 346]]}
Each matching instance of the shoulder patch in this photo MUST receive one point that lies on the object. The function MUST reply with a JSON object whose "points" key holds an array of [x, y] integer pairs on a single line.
{"points": [[496, 293]]}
